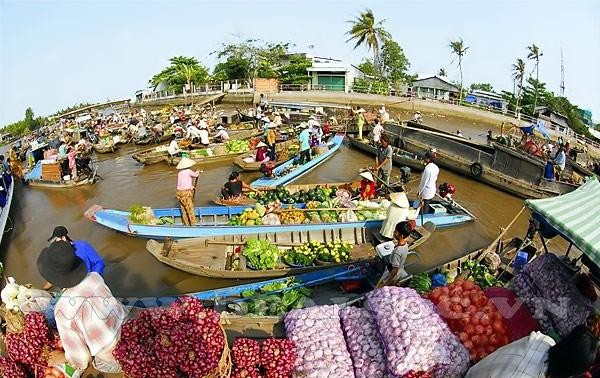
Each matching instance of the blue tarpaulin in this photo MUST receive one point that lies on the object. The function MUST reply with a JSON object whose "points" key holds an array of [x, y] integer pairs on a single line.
{"points": [[539, 127]]}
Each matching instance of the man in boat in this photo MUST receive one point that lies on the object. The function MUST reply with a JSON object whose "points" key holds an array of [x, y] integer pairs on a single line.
{"points": [[383, 114], [418, 118], [368, 188], [234, 188], [88, 317], [428, 184], [360, 122], [192, 133], [377, 132], [383, 160], [304, 140], [173, 148], [186, 189], [222, 135], [560, 160], [203, 133], [270, 140], [397, 259]]}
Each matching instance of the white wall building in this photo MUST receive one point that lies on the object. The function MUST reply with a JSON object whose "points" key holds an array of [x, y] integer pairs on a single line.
{"points": [[332, 74]]}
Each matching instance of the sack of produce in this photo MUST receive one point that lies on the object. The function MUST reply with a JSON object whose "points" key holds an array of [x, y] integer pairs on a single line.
{"points": [[472, 317], [545, 286], [414, 336], [364, 344], [320, 343], [517, 317]]}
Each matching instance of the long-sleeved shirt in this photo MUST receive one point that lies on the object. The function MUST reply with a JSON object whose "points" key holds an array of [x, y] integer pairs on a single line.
{"points": [[173, 148], [89, 320], [427, 187], [560, 159], [90, 257], [222, 134], [304, 139], [377, 131], [184, 179]]}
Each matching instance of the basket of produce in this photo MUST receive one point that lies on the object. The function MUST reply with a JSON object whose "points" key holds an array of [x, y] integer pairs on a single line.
{"points": [[182, 340], [333, 253], [319, 150], [299, 257], [261, 255]]}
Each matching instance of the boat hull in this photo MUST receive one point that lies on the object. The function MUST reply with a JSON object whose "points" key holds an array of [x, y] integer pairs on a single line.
{"points": [[398, 158], [5, 211]]}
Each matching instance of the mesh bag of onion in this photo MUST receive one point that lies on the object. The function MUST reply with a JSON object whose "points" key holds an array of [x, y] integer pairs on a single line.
{"points": [[414, 336], [179, 341]]}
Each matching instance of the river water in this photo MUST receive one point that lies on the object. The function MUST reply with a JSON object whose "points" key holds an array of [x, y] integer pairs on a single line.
{"points": [[131, 271]]}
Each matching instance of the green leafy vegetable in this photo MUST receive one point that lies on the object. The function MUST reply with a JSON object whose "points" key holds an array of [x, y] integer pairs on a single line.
{"points": [[261, 254], [421, 283]]}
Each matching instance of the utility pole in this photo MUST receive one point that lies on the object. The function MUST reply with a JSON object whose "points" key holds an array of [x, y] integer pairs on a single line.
{"points": [[562, 74]]}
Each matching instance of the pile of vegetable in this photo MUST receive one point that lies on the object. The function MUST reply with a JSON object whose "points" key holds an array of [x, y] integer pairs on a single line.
{"points": [[421, 283], [276, 358], [265, 302], [364, 344], [480, 273], [182, 340], [472, 317], [29, 348], [414, 336], [141, 215], [283, 195], [292, 217], [320, 343], [250, 217], [237, 146], [544, 286], [261, 254], [303, 255]]}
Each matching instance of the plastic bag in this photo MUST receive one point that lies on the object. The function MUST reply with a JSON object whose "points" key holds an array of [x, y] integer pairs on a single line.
{"points": [[33, 300]]}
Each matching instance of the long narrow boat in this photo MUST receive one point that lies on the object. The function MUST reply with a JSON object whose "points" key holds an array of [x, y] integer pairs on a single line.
{"points": [[212, 221], [104, 148], [247, 163], [201, 157], [34, 178], [495, 165], [5, 210], [211, 257], [400, 158], [286, 173]]}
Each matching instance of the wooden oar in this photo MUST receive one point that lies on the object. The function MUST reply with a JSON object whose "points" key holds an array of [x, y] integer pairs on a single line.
{"points": [[195, 185], [492, 246]]}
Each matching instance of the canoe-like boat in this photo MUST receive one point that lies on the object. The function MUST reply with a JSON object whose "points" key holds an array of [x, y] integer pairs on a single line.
{"points": [[208, 257], [400, 158], [246, 163], [202, 157], [102, 148], [495, 165], [9, 187], [34, 178], [212, 221], [143, 141], [151, 155], [286, 173]]}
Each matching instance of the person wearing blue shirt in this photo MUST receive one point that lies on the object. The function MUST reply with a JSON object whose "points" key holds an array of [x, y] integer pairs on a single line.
{"points": [[304, 139], [84, 250]]}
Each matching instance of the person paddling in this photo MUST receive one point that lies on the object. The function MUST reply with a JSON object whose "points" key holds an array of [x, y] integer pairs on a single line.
{"points": [[186, 189]]}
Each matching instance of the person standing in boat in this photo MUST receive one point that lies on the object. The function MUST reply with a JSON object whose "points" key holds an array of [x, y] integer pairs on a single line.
{"points": [[560, 160], [383, 160], [428, 184], [360, 122], [304, 139], [186, 189], [270, 139], [377, 132], [234, 188]]}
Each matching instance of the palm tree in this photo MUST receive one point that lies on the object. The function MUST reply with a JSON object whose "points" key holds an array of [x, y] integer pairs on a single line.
{"points": [[365, 31], [187, 71], [458, 47], [518, 75], [534, 54], [442, 72]]}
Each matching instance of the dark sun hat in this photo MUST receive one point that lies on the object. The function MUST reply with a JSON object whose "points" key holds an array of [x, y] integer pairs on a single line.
{"points": [[59, 232], [59, 265]]}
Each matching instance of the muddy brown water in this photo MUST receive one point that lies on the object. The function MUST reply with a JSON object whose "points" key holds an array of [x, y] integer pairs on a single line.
{"points": [[131, 271]]}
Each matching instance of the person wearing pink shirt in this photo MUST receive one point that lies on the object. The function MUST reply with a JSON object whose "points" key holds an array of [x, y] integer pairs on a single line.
{"points": [[185, 190]]}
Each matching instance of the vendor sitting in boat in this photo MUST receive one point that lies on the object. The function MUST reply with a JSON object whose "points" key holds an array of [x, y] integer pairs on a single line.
{"points": [[368, 188], [173, 148], [233, 189], [222, 135], [261, 153]]}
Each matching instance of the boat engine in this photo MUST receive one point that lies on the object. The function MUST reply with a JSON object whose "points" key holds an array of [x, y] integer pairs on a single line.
{"points": [[446, 190], [267, 168]]}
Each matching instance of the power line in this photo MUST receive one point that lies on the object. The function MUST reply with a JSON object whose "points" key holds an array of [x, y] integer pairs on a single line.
{"points": [[562, 74]]}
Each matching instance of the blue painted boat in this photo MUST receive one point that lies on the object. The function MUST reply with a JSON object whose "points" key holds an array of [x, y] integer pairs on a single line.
{"points": [[232, 294], [212, 221], [268, 182]]}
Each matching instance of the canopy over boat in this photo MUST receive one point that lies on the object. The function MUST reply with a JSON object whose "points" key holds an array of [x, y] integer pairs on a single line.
{"points": [[574, 216]]}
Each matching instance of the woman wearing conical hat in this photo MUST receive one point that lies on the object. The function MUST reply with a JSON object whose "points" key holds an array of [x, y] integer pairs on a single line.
{"points": [[185, 190]]}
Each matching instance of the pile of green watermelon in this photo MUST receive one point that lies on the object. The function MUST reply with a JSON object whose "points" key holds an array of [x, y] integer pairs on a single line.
{"points": [[284, 196]]}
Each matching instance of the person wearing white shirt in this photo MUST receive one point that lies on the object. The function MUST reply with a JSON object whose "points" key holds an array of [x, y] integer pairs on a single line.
{"points": [[173, 148], [428, 185], [222, 134], [192, 132], [277, 119], [383, 114], [377, 131], [203, 135], [203, 124]]}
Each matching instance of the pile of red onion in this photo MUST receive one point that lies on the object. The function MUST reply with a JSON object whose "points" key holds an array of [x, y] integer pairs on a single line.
{"points": [[276, 358], [29, 349], [182, 340]]}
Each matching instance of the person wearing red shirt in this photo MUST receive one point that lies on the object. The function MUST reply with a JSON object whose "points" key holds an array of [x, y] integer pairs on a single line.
{"points": [[368, 188]]}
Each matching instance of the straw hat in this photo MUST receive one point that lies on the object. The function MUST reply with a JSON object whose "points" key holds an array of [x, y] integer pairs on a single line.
{"points": [[311, 117], [361, 110], [220, 127], [265, 119], [275, 113], [367, 175], [185, 163], [400, 200], [261, 144]]}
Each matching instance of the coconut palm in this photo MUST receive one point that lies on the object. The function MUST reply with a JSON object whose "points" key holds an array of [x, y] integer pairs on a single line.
{"points": [[442, 72], [534, 54], [365, 31], [518, 74], [459, 49]]}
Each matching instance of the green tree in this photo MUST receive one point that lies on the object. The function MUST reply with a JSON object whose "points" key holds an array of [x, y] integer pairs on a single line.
{"points": [[368, 68], [482, 87], [394, 64], [518, 74], [365, 31], [459, 49], [234, 68], [295, 72], [30, 122], [442, 72], [253, 58], [534, 54], [182, 71]]}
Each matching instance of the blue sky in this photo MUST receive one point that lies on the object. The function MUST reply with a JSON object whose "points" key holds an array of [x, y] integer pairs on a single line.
{"points": [[54, 54]]}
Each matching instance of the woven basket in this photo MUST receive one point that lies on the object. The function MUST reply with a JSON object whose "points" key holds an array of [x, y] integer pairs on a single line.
{"points": [[3, 351], [320, 150], [15, 320], [223, 369]]}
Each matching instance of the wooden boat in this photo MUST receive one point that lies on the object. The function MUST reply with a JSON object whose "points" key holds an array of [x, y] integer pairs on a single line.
{"points": [[281, 152], [212, 221], [211, 257], [281, 178], [495, 165], [151, 155], [245, 117], [9, 187], [34, 178], [200, 156], [400, 158], [102, 148], [143, 141]]}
